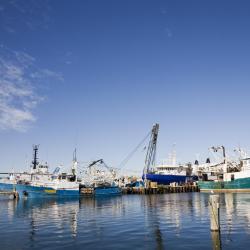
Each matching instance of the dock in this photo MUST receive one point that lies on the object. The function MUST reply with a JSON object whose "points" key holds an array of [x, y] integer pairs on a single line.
{"points": [[13, 194], [161, 189], [153, 189]]}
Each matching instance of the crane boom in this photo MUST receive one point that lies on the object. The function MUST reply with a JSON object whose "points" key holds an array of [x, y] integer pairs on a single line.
{"points": [[151, 152], [95, 162]]}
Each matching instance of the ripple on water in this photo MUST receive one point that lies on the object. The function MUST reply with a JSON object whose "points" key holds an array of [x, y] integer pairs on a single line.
{"points": [[171, 221]]}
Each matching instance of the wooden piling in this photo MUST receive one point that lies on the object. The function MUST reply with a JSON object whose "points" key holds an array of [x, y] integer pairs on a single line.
{"points": [[153, 188], [214, 207], [16, 195], [12, 194]]}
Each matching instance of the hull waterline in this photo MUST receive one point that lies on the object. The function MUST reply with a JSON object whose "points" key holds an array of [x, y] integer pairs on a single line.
{"points": [[167, 179], [106, 191], [43, 192], [238, 185]]}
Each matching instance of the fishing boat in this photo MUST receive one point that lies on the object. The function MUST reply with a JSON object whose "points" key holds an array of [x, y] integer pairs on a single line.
{"points": [[107, 189], [52, 188], [166, 172], [99, 180], [40, 183], [6, 182], [227, 176]]}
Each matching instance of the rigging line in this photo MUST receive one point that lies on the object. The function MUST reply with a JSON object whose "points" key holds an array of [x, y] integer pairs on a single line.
{"points": [[127, 158]]}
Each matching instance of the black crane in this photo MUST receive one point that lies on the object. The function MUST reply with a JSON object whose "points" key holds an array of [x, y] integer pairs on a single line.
{"points": [[151, 152], [95, 162]]}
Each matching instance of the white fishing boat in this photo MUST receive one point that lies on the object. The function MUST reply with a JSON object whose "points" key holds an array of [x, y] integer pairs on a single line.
{"points": [[39, 182], [227, 176], [99, 180], [166, 172]]}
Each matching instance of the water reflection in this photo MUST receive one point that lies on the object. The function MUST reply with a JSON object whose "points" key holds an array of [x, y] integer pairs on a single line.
{"points": [[152, 217], [57, 213], [216, 240], [151, 222], [230, 209], [61, 213]]}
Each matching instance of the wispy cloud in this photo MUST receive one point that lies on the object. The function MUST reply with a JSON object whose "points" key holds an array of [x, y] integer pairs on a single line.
{"points": [[31, 14], [169, 32], [46, 73], [20, 78]]}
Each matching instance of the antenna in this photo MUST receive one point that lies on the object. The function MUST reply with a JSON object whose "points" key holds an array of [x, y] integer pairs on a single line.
{"points": [[74, 156]]}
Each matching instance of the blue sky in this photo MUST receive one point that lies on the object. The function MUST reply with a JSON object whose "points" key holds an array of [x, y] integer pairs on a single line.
{"points": [[96, 75]]}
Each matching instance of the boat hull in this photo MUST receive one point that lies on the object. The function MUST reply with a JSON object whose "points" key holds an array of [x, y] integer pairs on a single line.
{"points": [[6, 186], [167, 179], [42, 192], [35, 191], [106, 191], [238, 185]]}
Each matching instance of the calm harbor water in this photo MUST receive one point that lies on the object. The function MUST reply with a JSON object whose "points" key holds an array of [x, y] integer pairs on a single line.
{"points": [[170, 221]]}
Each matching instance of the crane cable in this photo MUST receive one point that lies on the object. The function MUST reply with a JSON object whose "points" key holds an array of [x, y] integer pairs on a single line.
{"points": [[129, 156]]}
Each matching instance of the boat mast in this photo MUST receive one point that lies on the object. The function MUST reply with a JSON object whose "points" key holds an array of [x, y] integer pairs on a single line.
{"points": [[215, 149], [74, 166], [173, 156], [35, 159], [151, 152]]}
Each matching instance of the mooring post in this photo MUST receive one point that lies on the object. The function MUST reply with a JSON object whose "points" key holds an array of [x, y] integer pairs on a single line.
{"points": [[214, 207], [16, 195]]}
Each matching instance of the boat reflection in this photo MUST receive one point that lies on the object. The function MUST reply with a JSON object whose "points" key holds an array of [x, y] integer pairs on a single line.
{"points": [[59, 213], [157, 220], [153, 220], [62, 213]]}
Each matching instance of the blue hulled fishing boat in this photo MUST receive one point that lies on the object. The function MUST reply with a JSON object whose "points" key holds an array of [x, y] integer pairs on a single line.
{"points": [[166, 172], [99, 180], [40, 183]]}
